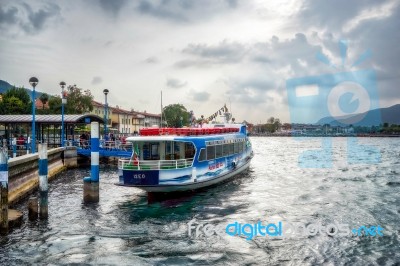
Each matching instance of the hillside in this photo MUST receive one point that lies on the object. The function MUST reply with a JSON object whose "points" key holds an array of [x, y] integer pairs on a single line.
{"points": [[5, 86], [374, 117]]}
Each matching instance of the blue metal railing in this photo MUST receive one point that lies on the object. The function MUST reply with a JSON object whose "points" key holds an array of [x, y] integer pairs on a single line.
{"points": [[107, 148]]}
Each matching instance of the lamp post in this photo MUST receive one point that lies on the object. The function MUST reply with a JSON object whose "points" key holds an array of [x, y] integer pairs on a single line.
{"points": [[63, 102], [105, 91], [33, 81], [181, 121]]}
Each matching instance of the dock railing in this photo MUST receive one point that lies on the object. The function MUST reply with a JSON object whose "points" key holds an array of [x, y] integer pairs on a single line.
{"points": [[129, 164], [109, 145]]}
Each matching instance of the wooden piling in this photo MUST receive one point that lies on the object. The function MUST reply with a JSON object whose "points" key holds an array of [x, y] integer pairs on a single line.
{"points": [[4, 190], [33, 208], [4, 208]]}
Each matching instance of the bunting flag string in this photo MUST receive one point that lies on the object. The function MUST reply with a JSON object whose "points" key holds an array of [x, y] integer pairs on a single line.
{"points": [[222, 110]]}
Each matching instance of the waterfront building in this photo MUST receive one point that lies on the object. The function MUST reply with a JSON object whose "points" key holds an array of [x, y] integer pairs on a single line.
{"points": [[123, 121], [126, 122]]}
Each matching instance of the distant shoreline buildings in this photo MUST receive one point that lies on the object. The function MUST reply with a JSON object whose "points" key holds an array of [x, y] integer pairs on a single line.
{"points": [[123, 121]]}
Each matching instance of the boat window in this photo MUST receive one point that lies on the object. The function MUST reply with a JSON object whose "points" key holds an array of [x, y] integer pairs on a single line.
{"points": [[154, 151], [189, 150], [202, 156], [236, 147], [169, 155], [240, 146], [231, 149], [146, 151], [210, 152], [218, 151], [225, 150]]}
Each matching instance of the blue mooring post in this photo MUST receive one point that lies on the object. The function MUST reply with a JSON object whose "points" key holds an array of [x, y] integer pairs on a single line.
{"points": [[4, 190], [91, 183], [43, 182], [14, 146]]}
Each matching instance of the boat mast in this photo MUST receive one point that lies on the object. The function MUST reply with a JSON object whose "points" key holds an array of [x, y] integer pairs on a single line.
{"points": [[161, 111]]}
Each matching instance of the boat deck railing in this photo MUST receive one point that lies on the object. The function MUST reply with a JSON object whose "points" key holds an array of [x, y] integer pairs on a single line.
{"points": [[129, 164], [110, 145]]}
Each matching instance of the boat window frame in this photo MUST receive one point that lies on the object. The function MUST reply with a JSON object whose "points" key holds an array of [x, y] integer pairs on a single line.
{"points": [[202, 155], [220, 155], [231, 149], [210, 152], [225, 150]]}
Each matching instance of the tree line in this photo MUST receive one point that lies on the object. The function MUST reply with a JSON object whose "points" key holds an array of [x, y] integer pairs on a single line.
{"points": [[17, 101]]}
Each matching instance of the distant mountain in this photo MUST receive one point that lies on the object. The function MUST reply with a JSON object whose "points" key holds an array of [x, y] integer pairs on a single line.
{"points": [[5, 86], [374, 117]]}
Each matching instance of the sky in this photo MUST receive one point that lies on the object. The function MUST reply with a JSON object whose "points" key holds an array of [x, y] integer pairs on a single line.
{"points": [[201, 53]]}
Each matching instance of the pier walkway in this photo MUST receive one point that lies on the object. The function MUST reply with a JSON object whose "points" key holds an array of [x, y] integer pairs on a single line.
{"points": [[107, 148]]}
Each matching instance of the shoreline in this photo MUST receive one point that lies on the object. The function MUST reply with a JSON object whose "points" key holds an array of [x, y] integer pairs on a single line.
{"points": [[328, 136]]}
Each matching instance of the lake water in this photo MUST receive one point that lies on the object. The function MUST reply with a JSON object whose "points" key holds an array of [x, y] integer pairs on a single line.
{"points": [[125, 229]]}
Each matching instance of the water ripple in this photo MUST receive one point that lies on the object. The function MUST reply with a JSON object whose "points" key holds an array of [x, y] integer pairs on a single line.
{"points": [[126, 228]]}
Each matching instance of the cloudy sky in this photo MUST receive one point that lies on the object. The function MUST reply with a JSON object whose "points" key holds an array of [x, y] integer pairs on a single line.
{"points": [[201, 53]]}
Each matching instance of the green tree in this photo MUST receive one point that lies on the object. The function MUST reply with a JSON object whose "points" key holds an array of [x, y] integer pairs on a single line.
{"points": [[173, 114], [55, 105], [79, 101], [13, 105], [277, 124], [44, 98], [272, 125], [16, 101]]}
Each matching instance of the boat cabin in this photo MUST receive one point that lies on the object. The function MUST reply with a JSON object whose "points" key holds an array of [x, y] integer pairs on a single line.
{"points": [[155, 153]]}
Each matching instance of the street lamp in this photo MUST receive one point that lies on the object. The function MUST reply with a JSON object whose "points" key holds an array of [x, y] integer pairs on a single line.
{"points": [[63, 101], [105, 91], [33, 81], [181, 121]]}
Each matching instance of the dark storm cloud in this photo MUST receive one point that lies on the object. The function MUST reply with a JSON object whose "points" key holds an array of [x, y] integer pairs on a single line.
{"points": [[277, 60], [175, 83], [38, 19], [232, 3], [261, 83], [200, 96], [193, 63], [377, 31], [382, 37], [162, 10], [151, 60], [112, 6], [184, 10], [97, 80], [8, 16], [225, 51], [30, 19], [332, 14], [203, 54]]}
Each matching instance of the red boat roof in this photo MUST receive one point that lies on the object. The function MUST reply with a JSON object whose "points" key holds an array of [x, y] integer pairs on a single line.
{"points": [[186, 131]]}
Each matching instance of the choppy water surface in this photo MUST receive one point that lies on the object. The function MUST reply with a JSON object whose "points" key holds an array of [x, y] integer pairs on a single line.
{"points": [[125, 229]]}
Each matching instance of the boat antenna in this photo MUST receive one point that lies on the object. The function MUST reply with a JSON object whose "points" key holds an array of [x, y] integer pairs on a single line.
{"points": [[161, 123], [230, 106]]}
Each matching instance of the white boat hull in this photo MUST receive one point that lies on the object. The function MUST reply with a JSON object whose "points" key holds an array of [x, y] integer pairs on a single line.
{"points": [[194, 185]]}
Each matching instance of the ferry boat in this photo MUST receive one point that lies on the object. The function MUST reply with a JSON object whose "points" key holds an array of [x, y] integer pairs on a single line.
{"points": [[184, 159]]}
